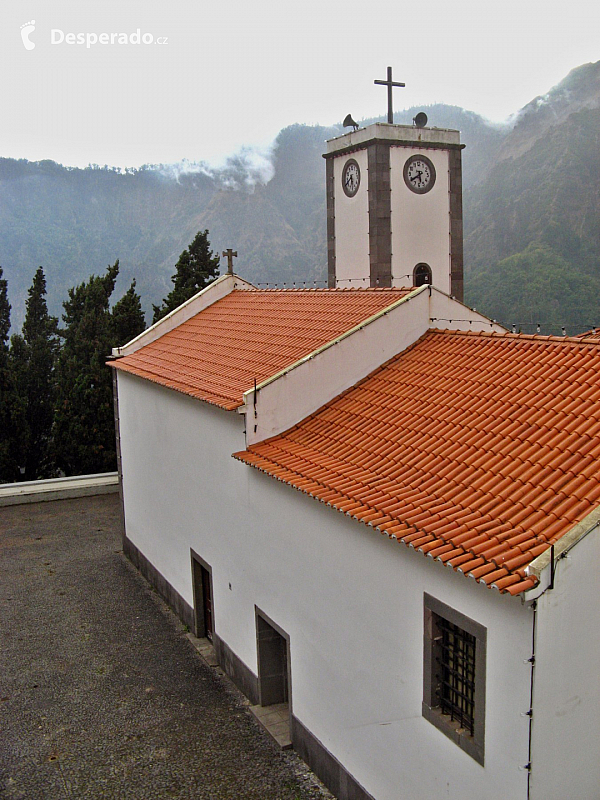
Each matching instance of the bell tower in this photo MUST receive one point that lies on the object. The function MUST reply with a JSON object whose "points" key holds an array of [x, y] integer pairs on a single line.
{"points": [[394, 206]]}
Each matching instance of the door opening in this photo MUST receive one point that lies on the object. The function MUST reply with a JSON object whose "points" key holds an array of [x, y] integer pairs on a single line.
{"points": [[273, 664], [274, 680], [203, 599]]}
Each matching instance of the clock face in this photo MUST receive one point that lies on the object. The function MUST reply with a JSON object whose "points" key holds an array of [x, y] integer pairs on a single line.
{"points": [[351, 177], [419, 174]]}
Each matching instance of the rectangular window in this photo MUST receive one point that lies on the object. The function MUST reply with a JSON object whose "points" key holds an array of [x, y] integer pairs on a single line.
{"points": [[454, 676]]}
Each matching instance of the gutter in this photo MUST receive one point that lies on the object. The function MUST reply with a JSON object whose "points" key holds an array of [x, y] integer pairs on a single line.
{"points": [[543, 567]]}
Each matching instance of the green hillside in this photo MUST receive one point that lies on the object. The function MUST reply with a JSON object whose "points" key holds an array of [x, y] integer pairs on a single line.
{"points": [[536, 216]]}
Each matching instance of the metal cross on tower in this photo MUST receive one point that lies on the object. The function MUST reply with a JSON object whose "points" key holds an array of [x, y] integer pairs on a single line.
{"points": [[230, 254], [389, 83]]}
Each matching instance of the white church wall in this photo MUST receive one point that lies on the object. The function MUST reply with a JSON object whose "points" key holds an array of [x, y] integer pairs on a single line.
{"points": [[175, 460], [352, 226], [566, 705], [420, 223], [449, 314], [352, 603], [350, 600]]}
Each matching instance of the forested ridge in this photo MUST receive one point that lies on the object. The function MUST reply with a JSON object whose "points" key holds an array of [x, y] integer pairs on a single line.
{"points": [[531, 192], [532, 226]]}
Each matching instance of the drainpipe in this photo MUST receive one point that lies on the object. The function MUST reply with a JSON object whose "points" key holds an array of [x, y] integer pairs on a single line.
{"points": [[530, 712], [118, 446]]}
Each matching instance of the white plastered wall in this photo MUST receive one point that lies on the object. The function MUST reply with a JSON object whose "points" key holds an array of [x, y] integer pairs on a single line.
{"points": [[352, 225], [420, 222], [350, 599], [566, 704]]}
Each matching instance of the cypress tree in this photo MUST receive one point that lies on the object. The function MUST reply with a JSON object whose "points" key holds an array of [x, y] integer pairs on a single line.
{"points": [[127, 317], [9, 401], [196, 268], [33, 356], [84, 437], [18, 366]]}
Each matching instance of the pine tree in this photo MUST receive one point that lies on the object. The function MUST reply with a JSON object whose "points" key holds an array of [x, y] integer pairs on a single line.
{"points": [[127, 317], [18, 365], [84, 437], [33, 356], [9, 401], [196, 268]]}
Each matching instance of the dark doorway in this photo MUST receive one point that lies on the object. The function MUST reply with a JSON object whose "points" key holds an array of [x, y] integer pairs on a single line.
{"points": [[203, 598], [273, 663]]}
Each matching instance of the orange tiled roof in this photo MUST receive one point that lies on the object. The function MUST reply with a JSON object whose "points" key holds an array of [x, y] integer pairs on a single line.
{"points": [[251, 334], [478, 450]]}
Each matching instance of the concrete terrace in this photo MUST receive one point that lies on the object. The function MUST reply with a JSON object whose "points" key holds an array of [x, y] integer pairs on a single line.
{"points": [[102, 693]]}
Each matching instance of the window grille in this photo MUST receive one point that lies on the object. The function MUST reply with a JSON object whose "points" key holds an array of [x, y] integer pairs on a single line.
{"points": [[456, 675]]}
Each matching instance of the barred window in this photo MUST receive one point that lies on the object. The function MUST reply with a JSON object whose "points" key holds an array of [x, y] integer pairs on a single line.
{"points": [[454, 676]]}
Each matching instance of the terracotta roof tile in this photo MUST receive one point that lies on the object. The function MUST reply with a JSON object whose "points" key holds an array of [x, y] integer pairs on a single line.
{"points": [[479, 450], [251, 335]]}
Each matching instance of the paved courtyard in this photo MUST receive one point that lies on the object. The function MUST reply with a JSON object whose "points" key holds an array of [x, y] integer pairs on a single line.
{"points": [[101, 693]]}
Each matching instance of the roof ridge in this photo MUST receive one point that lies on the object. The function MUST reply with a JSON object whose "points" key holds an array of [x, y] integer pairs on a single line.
{"points": [[518, 336], [340, 289]]}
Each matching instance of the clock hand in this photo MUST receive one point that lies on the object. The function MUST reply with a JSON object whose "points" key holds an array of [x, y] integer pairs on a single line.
{"points": [[417, 176]]}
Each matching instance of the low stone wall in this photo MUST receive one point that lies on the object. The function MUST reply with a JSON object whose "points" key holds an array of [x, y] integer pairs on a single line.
{"points": [[58, 488]]}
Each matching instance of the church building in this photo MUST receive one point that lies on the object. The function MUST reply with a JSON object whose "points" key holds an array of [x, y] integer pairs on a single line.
{"points": [[380, 507]]}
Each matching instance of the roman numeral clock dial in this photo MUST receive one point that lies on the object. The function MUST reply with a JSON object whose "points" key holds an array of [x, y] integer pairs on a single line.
{"points": [[419, 174], [351, 177]]}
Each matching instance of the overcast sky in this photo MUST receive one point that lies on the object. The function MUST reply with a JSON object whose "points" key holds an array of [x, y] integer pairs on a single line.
{"points": [[217, 77]]}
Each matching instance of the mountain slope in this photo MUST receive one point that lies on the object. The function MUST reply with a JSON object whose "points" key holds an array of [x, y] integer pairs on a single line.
{"points": [[542, 192], [74, 222], [535, 183]]}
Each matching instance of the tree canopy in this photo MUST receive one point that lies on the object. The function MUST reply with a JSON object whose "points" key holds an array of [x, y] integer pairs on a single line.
{"points": [[84, 436], [56, 408], [33, 356], [127, 317], [196, 268], [9, 404], [537, 286]]}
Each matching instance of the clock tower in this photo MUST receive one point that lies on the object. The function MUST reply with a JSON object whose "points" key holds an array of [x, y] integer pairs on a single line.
{"points": [[394, 208]]}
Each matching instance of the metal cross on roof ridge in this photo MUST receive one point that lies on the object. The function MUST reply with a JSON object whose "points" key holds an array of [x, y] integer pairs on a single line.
{"points": [[389, 83]]}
